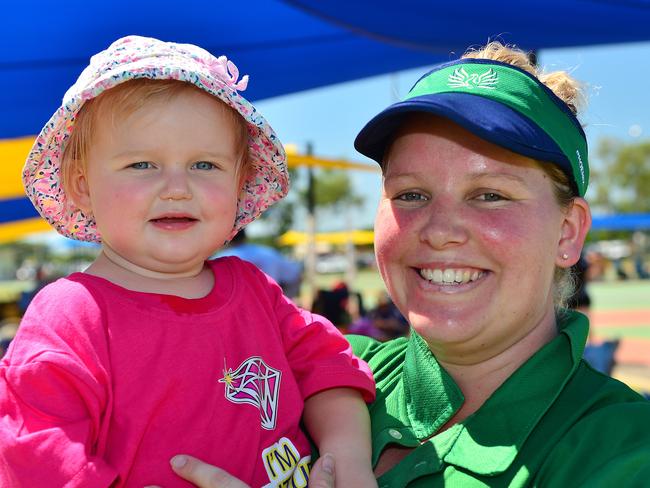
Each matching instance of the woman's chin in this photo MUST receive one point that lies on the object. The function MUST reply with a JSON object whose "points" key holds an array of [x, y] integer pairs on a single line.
{"points": [[442, 328]]}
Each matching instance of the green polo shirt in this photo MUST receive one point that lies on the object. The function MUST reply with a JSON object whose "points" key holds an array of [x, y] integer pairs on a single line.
{"points": [[556, 422]]}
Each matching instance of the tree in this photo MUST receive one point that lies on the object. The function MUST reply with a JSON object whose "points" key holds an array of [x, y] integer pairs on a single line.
{"points": [[333, 188], [623, 183]]}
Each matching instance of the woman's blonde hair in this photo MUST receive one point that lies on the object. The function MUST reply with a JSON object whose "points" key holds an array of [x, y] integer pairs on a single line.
{"points": [[123, 100], [571, 92]]}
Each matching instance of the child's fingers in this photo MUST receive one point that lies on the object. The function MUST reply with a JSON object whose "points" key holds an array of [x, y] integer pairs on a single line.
{"points": [[322, 473], [204, 475]]}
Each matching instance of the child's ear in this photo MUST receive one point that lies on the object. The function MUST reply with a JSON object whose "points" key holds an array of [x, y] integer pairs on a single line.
{"points": [[575, 226], [77, 189]]}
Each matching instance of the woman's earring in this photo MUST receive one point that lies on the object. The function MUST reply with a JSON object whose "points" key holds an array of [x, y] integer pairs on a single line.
{"points": [[565, 256]]}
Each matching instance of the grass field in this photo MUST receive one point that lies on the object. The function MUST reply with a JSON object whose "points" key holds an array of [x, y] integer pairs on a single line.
{"points": [[617, 295], [621, 309]]}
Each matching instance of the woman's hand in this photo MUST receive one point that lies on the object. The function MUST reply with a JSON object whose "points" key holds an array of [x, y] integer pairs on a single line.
{"points": [[205, 475], [322, 472]]}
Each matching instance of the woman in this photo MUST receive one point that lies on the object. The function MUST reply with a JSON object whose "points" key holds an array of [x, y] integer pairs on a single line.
{"points": [[481, 216]]}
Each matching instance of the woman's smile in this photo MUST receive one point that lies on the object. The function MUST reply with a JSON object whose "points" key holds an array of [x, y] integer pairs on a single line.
{"points": [[450, 276]]}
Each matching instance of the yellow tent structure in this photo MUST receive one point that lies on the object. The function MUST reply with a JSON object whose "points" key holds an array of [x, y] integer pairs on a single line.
{"points": [[358, 238], [294, 160], [13, 231], [13, 153], [17, 216]]}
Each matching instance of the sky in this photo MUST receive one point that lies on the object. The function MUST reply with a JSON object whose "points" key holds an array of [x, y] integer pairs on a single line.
{"points": [[618, 103]]}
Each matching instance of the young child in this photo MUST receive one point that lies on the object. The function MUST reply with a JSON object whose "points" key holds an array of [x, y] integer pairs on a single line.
{"points": [[153, 350]]}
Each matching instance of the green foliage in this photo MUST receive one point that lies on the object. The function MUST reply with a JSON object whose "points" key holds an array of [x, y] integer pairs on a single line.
{"points": [[333, 188], [623, 183]]}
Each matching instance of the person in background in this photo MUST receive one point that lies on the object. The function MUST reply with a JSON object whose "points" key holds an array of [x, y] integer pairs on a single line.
{"points": [[284, 271], [42, 278], [383, 322], [8, 329], [600, 355], [156, 154], [339, 304], [481, 216], [639, 253]]}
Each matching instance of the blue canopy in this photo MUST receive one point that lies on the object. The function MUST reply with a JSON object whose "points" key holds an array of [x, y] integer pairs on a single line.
{"points": [[621, 222], [285, 46]]}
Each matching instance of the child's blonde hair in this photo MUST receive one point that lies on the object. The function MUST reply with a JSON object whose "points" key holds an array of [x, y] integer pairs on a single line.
{"points": [[123, 100]]}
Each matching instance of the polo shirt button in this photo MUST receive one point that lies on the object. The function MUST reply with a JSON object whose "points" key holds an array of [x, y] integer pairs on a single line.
{"points": [[395, 434]]}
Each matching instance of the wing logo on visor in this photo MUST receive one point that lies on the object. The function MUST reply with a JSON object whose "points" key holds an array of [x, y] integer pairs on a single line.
{"points": [[462, 79]]}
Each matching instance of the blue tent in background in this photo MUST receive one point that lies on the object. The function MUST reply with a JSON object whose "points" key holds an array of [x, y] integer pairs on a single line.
{"points": [[621, 222], [285, 46]]}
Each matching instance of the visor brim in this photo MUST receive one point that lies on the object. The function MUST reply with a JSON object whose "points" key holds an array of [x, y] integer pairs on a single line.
{"points": [[483, 117]]}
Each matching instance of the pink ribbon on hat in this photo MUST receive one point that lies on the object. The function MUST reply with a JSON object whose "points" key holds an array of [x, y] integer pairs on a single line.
{"points": [[226, 70]]}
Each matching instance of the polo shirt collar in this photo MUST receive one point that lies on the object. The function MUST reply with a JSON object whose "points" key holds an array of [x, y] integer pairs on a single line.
{"points": [[488, 441], [431, 395]]}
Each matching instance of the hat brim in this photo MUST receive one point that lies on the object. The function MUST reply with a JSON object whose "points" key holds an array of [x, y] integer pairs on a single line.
{"points": [[483, 117]]}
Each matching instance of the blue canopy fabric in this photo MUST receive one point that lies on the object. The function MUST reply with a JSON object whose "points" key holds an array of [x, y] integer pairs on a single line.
{"points": [[440, 27], [285, 46], [628, 222]]}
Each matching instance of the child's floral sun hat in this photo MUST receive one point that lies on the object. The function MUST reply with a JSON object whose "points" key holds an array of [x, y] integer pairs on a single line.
{"points": [[142, 57]]}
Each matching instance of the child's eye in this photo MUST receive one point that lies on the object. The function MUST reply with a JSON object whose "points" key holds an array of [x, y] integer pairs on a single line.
{"points": [[204, 165], [140, 165]]}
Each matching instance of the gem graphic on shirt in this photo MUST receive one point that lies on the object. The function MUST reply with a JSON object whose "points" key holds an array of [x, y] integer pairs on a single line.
{"points": [[256, 383], [284, 465]]}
